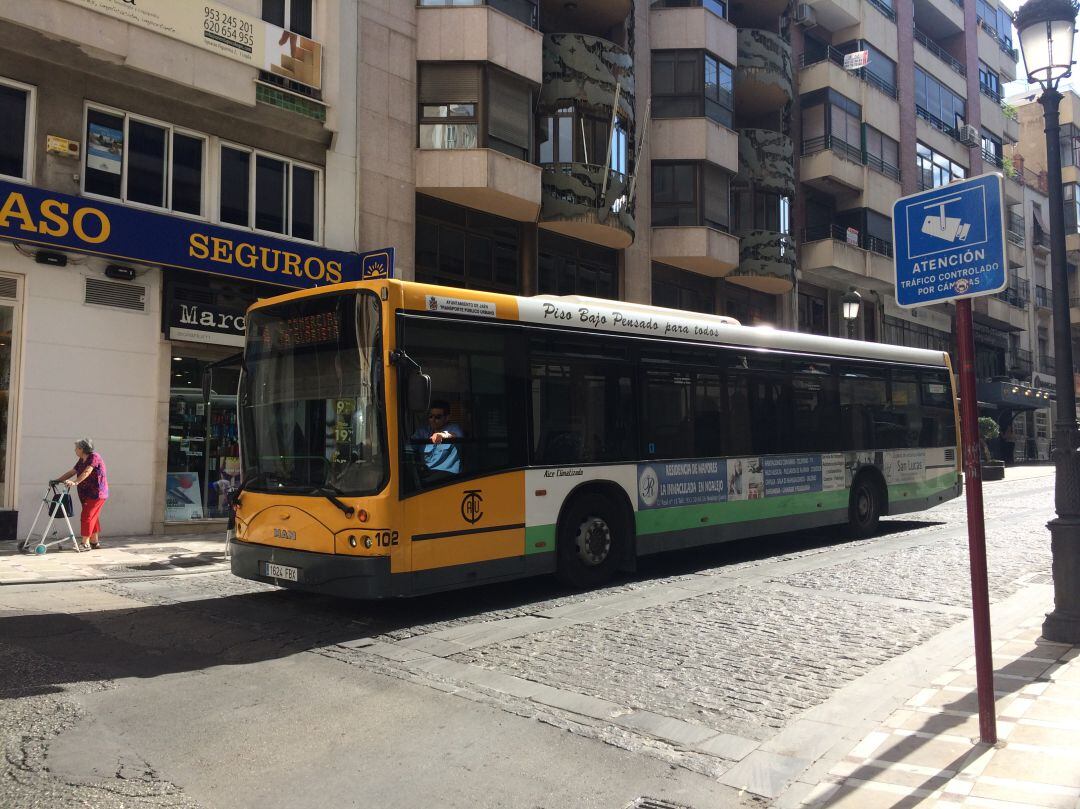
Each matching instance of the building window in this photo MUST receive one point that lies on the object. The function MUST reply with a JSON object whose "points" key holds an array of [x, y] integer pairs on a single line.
{"points": [[269, 193], [935, 169], [989, 82], [292, 15], [937, 104], [717, 7], [991, 148], [573, 136], [572, 267], [899, 332], [691, 84], [460, 247], [882, 152], [521, 10], [450, 112], [832, 121], [813, 313], [1072, 206], [16, 130], [145, 162], [691, 195], [1070, 145]]}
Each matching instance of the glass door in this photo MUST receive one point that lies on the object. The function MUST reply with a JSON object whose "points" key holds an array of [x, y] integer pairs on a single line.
{"points": [[7, 389]]}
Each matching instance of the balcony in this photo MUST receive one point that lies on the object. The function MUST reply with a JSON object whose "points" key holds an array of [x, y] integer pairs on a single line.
{"points": [[586, 202], [1014, 228], [766, 262], [479, 33], [763, 78], [843, 256], [694, 139], [702, 250], [831, 56], [831, 165], [766, 161], [1047, 363], [1019, 363], [954, 76], [1017, 293], [686, 26], [582, 71], [1042, 297], [483, 179], [757, 13], [836, 15]]}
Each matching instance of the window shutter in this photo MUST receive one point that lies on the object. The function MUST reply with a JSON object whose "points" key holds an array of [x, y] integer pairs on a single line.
{"points": [[449, 84], [509, 110]]}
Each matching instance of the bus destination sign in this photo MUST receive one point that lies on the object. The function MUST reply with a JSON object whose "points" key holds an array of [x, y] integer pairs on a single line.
{"points": [[949, 242]]}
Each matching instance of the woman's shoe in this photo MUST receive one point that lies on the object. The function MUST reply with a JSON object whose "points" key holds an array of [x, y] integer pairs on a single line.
{"points": [[86, 546], [94, 546]]}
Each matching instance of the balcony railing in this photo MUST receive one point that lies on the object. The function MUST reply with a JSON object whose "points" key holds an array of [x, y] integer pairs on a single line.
{"points": [[990, 93], [1042, 297], [1014, 228], [831, 54], [1017, 293], [839, 233], [925, 40], [853, 153], [1020, 363], [992, 158], [937, 123], [1046, 363]]}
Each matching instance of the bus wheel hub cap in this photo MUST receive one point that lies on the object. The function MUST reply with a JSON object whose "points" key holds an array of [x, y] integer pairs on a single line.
{"points": [[594, 541]]}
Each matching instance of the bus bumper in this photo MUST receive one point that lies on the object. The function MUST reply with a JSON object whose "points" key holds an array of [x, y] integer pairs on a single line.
{"points": [[347, 576]]}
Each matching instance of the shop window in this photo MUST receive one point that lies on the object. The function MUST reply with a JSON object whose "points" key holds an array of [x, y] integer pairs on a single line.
{"points": [[16, 130], [571, 267], [461, 247], [269, 193], [204, 452], [9, 363], [292, 15], [136, 160]]}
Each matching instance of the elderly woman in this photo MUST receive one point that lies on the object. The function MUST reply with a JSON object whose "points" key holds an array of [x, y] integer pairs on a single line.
{"points": [[88, 475]]}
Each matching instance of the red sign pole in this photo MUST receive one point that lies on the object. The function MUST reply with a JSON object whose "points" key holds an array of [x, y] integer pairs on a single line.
{"points": [[980, 596]]}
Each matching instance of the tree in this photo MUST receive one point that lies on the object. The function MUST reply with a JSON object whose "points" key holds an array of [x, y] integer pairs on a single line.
{"points": [[988, 431]]}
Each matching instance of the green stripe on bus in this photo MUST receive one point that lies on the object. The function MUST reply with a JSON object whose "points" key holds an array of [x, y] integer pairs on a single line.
{"points": [[921, 489], [539, 539], [655, 521]]}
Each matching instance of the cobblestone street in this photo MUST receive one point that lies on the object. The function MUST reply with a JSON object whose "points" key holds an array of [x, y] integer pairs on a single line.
{"points": [[711, 661]]}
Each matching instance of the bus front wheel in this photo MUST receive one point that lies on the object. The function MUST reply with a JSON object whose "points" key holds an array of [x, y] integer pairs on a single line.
{"points": [[588, 542], [864, 509]]}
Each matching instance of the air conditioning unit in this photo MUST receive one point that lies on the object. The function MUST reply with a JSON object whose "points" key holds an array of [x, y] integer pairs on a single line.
{"points": [[969, 135], [804, 15]]}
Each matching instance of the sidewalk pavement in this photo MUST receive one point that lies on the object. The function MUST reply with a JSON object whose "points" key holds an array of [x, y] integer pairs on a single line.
{"points": [[117, 558]]}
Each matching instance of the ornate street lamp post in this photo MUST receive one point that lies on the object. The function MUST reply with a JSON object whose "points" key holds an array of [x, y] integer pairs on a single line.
{"points": [[1046, 29], [849, 308]]}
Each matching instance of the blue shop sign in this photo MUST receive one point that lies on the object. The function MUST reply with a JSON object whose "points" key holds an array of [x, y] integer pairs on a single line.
{"points": [[37, 216]]}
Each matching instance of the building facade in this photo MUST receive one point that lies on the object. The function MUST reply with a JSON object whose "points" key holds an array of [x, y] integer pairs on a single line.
{"points": [[163, 165]]}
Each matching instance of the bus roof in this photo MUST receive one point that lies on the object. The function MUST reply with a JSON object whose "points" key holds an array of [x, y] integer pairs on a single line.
{"points": [[634, 319]]}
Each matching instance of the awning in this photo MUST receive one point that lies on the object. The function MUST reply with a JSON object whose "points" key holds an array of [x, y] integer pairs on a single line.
{"points": [[1012, 396]]}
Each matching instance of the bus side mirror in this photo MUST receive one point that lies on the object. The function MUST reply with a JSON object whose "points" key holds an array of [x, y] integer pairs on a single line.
{"points": [[418, 392]]}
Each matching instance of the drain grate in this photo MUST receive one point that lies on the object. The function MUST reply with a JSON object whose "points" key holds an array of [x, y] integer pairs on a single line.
{"points": [[1036, 578], [654, 803]]}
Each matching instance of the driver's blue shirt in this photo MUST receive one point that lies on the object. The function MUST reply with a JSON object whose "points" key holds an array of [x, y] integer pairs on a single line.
{"points": [[441, 457]]}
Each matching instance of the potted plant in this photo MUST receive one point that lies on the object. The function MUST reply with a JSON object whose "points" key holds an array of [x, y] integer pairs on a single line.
{"points": [[988, 431]]}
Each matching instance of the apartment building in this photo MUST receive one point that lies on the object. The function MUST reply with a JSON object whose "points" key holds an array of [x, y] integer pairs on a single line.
{"points": [[162, 165]]}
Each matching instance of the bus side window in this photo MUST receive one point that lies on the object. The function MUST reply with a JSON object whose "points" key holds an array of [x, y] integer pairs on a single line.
{"points": [[738, 427], [939, 423]]}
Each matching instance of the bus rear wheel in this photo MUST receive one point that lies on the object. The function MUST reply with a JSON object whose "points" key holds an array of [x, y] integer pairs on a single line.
{"points": [[864, 508], [589, 542]]}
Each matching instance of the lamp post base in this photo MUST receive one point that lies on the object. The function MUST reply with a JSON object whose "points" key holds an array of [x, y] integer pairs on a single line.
{"points": [[1063, 624]]}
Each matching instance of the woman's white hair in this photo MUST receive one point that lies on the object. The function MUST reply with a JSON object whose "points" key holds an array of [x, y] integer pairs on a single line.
{"points": [[85, 444]]}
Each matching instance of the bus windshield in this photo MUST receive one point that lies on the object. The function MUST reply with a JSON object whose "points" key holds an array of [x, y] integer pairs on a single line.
{"points": [[311, 413]]}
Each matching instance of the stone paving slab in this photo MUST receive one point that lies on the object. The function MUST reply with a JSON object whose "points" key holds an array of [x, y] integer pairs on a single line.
{"points": [[923, 755], [118, 558]]}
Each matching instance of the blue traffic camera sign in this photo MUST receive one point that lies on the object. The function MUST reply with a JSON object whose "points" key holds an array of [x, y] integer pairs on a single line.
{"points": [[949, 242]]}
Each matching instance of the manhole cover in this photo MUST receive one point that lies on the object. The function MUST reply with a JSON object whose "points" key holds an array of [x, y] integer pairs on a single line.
{"points": [[655, 803], [157, 551]]}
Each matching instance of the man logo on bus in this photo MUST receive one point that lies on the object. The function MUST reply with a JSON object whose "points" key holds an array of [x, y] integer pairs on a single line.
{"points": [[470, 506], [648, 486]]}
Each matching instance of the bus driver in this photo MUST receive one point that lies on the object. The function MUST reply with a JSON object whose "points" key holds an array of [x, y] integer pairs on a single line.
{"points": [[440, 452]]}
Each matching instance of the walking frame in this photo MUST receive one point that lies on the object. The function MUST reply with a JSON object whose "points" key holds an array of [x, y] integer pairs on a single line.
{"points": [[59, 505]]}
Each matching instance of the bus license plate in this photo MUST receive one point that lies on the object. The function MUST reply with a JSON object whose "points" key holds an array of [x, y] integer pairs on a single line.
{"points": [[281, 572]]}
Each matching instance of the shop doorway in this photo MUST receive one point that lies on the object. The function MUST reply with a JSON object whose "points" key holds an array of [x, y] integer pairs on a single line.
{"points": [[9, 364], [204, 451]]}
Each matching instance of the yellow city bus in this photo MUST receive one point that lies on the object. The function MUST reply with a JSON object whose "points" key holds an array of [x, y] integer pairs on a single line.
{"points": [[579, 435]]}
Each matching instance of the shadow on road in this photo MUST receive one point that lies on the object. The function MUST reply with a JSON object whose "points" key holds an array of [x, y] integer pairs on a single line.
{"points": [[194, 634]]}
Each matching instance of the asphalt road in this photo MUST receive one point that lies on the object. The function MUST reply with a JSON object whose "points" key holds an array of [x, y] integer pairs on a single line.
{"points": [[711, 678]]}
